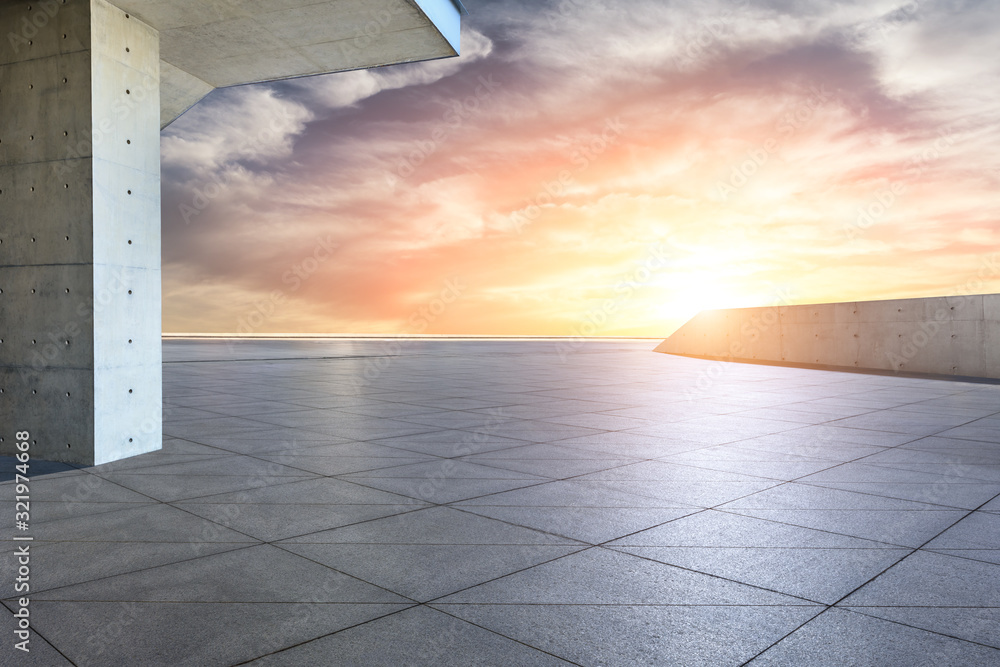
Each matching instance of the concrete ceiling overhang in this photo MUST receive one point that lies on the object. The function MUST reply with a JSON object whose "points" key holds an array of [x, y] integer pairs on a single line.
{"points": [[208, 44]]}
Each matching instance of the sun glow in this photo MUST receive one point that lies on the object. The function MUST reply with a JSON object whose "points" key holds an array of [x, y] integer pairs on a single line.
{"points": [[784, 168]]}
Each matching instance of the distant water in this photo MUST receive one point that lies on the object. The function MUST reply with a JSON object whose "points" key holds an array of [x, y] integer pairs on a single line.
{"points": [[177, 350]]}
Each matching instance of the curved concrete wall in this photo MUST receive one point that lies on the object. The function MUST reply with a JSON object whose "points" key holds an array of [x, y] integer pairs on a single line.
{"points": [[954, 336]]}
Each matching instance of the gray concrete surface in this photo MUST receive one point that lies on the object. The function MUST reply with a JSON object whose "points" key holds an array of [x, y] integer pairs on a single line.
{"points": [[948, 336], [497, 503], [81, 84]]}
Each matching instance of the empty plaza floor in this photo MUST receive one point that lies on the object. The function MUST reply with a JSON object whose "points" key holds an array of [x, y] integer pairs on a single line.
{"points": [[365, 502]]}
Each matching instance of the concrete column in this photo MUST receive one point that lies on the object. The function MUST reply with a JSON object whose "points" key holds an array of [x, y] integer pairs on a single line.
{"points": [[80, 356]]}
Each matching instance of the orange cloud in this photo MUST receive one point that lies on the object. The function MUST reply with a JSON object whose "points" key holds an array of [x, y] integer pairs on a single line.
{"points": [[595, 171]]}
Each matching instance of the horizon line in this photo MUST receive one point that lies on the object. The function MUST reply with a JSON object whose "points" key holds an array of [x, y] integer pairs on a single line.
{"points": [[355, 336]]}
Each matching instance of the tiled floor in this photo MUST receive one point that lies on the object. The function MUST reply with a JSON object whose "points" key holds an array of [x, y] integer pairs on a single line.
{"points": [[524, 503]]}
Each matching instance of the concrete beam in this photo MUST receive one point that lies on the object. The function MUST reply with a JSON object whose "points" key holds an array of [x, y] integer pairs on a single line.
{"points": [[208, 45], [179, 91], [946, 336]]}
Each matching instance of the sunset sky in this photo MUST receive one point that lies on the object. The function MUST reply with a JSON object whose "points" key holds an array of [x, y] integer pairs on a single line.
{"points": [[591, 167]]}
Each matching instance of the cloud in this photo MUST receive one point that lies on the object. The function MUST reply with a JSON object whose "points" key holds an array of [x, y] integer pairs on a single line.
{"points": [[343, 89], [752, 138], [248, 124]]}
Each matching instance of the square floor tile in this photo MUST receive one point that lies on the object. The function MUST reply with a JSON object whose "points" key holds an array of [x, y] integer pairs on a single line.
{"points": [[167, 634], [627, 635], [266, 574], [937, 592], [840, 637], [418, 635], [432, 552], [815, 565], [604, 576], [977, 536]]}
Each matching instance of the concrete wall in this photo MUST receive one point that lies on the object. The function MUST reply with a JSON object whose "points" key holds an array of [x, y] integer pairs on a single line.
{"points": [[955, 336], [80, 234]]}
